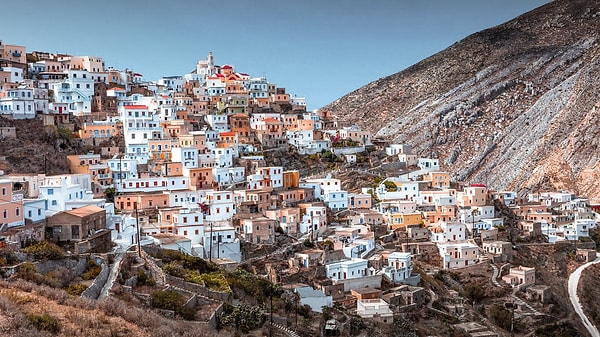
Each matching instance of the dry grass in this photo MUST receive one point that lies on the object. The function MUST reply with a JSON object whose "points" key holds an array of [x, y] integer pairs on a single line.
{"points": [[82, 317]]}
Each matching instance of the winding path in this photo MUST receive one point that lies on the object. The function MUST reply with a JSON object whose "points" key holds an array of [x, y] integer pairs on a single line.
{"points": [[573, 282]]}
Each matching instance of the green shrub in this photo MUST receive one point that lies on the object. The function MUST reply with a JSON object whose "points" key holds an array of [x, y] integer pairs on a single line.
{"points": [[167, 299], [259, 288], [174, 269], [304, 311], [92, 271], [171, 300], [501, 316], [44, 322], [215, 281], [144, 279], [474, 292], [356, 324], [557, 330], [45, 250], [76, 289], [27, 272], [243, 317], [390, 186], [308, 243]]}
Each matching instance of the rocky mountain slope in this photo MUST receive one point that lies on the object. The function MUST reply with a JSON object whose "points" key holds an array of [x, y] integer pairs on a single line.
{"points": [[515, 106]]}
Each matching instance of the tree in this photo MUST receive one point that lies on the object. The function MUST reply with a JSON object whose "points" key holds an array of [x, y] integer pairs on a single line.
{"points": [[501, 316], [109, 193]]}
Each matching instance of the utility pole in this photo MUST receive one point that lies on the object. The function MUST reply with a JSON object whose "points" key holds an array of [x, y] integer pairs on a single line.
{"points": [[512, 317], [210, 247], [137, 225]]}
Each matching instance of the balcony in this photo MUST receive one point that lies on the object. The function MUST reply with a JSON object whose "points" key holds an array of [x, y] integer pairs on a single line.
{"points": [[16, 54], [104, 176]]}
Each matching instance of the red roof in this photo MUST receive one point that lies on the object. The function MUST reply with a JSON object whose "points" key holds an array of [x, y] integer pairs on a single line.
{"points": [[226, 134], [227, 66], [220, 75], [243, 74], [477, 185], [135, 107], [138, 74], [271, 120], [116, 88]]}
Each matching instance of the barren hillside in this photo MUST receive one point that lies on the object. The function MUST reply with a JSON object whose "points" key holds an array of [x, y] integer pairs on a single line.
{"points": [[512, 106]]}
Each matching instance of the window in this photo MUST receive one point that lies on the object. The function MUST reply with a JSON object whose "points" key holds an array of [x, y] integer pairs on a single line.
{"points": [[4, 214], [3, 190], [54, 203]]}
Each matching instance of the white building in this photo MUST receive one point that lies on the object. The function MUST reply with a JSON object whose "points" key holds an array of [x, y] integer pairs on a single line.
{"points": [[428, 164], [315, 219], [122, 168], [34, 210], [66, 192], [458, 254], [77, 90], [220, 242], [370, 308], [17, 103], [579, 228], [399, 267], [315, 299], [139, 125], [396, 149], [396, 188], [448, 232], [187, 156], [153, 184], [347, 269], [220, 205]]}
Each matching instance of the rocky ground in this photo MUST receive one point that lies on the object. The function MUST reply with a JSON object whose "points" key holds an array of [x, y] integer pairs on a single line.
{"points": [[513, 106]]}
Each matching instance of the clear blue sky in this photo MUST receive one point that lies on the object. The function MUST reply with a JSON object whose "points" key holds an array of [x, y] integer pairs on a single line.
{"points": [[320, 49]]}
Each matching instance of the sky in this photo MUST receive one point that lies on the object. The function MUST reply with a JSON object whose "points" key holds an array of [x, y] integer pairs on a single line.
{"points": [[318, 49]]}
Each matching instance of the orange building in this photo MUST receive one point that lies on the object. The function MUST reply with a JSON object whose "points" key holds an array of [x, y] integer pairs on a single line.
{"points": [[201, 178], [240, 124], [11, 205], [291, 179], [228, 139], [128, 202], [437, 179], [441, 213], [402, 220], [175, 128], [474, 195], [97, 130], [197, 141], [160, 149]]}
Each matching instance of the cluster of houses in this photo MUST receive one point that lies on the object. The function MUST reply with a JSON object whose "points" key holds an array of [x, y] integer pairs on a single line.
{"points": [[192, 177]]}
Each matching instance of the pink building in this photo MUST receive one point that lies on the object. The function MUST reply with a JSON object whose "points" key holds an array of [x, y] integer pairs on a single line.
{"points": [[11, 205]]}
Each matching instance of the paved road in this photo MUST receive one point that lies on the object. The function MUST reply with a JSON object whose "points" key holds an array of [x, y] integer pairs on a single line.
{"points": [[573, 282]]}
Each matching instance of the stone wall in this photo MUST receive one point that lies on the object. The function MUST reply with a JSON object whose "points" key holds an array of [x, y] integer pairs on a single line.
{"points": [[94, 290], [373, 281]]}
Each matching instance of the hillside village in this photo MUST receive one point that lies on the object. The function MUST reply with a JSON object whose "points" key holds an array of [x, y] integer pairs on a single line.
{"points": [[183, 164]]}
